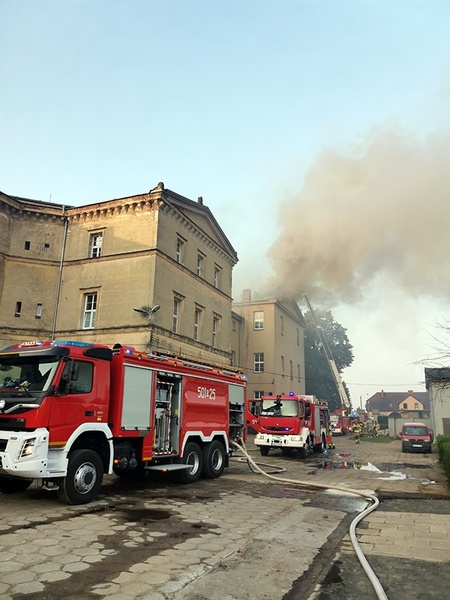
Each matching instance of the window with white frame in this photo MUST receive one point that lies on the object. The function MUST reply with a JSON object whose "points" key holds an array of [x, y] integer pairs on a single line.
{"points": [[200, 264], [299, 373], [291, 370], [198, 314], [95, 245], [18, 310], [89, 310], [217, 276], [215, 331], [179, 255], [258, 394], [176, 314], [258, 319], [282, 366], [281, 325], [258, 362], [38, 313]]}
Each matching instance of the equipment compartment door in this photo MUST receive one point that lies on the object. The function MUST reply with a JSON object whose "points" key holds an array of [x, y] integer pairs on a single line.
{"points": [[137, 391]]}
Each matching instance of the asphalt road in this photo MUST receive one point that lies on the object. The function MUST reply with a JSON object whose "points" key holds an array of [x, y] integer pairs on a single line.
{"points": [[241, 537]]}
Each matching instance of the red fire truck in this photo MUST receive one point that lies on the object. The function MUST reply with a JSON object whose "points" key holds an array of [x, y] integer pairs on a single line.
{"points": [[72, 411], [289, 422]]}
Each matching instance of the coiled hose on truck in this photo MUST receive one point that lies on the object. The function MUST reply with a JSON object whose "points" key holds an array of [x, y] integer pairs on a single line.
{"points": [[375, 582]]}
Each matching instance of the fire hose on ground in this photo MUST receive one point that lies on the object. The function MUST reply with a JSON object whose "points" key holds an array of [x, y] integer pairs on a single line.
{"points": [[379, 591]]}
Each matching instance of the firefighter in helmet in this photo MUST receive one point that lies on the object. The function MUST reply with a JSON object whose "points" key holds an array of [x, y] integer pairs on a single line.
{"points": [[330, 440], [357, 431], [376, 427]]}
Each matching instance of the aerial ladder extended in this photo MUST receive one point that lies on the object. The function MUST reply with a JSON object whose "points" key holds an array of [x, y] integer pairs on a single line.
{"points": [[345, 401]]}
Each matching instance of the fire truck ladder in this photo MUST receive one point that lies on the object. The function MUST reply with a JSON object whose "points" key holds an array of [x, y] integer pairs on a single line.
{"points": [[345, 401]]}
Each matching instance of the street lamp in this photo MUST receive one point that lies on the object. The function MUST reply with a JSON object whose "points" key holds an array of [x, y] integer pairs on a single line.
{"points": [[148, 312]]}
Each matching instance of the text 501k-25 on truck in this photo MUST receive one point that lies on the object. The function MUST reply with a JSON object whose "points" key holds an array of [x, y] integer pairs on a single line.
{"points": [[72, 411]]}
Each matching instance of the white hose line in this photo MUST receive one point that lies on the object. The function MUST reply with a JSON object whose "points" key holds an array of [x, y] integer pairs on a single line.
{"points": [[379, 591]]}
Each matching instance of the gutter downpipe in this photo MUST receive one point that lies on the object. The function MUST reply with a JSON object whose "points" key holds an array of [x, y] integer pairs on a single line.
{"points": [[61, 261]]}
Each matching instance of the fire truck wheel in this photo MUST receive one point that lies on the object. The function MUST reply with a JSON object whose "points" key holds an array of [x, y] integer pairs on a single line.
{"points": [[320, 447], [213, 460], [192, 456], [10, 485], [305, 450], [84, 478], [264, 450]]}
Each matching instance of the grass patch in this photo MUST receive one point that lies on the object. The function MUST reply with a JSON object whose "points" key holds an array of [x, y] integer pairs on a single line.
{"points": [[379, 439]]}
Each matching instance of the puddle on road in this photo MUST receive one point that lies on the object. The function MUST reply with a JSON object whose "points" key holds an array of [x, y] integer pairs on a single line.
{"points": [[343, 461]]}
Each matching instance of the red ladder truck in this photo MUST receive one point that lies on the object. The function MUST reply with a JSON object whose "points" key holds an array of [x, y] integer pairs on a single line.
{"points": [[71, 411], [289, 422]]}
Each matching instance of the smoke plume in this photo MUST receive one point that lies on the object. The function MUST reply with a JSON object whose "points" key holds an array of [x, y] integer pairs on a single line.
{"points": [[376, 215]]}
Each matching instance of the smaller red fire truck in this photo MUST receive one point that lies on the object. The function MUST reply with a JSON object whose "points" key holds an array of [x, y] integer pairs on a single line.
{"points": [[71, 411], [289, 422], [340, 423]]}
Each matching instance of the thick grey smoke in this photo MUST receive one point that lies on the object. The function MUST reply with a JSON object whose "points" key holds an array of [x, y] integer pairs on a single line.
{"points": [[378, 214]]}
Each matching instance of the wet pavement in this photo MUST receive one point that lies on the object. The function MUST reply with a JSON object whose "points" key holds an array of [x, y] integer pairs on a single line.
{"points": [[243, 536]]}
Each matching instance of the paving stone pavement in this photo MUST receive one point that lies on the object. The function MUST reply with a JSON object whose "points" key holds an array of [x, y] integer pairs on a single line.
{"points": [[220, 543]]}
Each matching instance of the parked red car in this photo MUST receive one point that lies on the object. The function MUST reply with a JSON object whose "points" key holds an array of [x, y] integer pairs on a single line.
{"points": [[416, 437]]}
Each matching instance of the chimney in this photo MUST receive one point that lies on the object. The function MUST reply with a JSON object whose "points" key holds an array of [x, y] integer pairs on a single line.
{"points": [[247, 295], [200, 200]]}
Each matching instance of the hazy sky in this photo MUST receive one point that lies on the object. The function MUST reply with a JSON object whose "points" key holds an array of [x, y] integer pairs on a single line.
{"points": [[317, 132]]}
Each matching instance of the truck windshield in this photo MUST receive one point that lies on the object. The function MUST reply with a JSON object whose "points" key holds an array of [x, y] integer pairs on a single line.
{"points": [[21, 373], [415, 431], [279, 408]]}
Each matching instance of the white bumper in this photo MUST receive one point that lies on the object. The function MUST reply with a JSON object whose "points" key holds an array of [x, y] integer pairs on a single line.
{"points": [[24, 454], [280, 441]]}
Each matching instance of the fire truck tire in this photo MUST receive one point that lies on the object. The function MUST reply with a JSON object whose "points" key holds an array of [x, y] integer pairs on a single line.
{"points": [[192, 456], [10, 485], [303, 452], [84, 478], [264, 450], [213, 460], [321, 446]]}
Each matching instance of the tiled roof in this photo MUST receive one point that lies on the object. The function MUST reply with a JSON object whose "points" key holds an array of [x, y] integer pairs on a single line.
{"points": [[392, 401]]}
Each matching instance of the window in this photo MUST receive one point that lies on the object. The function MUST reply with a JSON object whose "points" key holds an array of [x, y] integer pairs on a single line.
{"points": [[46, 247], [215, 331], [258, 362], [282, 366], [82, 384], [233, 325], [38, 314], [299, 373], [257, 395], [27, 245], [416, 406], [95, 245], [176, 314], [217, 276], [298, 336], [291, 371], [197, 323], [200, 264], [405, 406], [18, 309], [258, 320], [179, 255], [281, 325], [90, 308], [233, 358]]}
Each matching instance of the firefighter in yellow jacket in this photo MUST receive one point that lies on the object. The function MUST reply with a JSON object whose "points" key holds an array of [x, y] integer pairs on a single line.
{"points": [[330, 441], [357, 431]]}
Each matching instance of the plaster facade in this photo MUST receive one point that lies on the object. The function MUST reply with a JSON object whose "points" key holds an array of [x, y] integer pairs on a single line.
{"points": [[148, 250]]}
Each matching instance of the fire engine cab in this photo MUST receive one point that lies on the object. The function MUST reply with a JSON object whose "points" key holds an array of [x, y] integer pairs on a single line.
{"points": [[71, 411], [289, 422]]}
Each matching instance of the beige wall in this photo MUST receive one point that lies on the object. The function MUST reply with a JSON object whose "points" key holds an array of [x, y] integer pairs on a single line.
{"points": [[137, 268], [29, 276], [274, 343]]}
